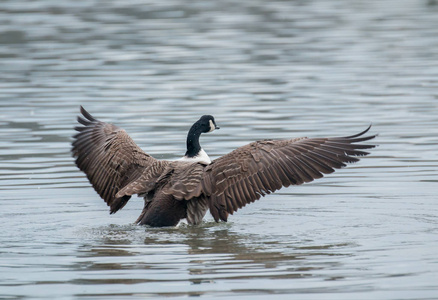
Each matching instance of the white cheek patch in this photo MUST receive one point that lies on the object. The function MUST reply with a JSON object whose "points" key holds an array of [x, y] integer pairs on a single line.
{"points": [[212, 127]]}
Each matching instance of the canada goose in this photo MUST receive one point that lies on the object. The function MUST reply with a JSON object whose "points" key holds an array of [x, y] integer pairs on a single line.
{"points": [[173, 190]]}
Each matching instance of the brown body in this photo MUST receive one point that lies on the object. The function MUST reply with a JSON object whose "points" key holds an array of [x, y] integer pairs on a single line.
{"points": [[173, 190]]}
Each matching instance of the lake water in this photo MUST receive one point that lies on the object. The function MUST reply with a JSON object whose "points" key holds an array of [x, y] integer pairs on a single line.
{"points": [[264, 69]]}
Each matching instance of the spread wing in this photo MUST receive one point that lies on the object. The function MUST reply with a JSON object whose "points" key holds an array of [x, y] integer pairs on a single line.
{"points": [[262, 167], [110, 159]]}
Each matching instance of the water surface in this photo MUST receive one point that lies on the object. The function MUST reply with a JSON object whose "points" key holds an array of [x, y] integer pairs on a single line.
{"points": [[264, 69]]}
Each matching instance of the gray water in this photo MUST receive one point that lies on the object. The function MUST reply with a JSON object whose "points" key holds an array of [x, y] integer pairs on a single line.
{"points": [[264, 69]]}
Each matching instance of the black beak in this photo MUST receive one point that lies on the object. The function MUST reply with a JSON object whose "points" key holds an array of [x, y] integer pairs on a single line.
{"points": [[216, 127]]}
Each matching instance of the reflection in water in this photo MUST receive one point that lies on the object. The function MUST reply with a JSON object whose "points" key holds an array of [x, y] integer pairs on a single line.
{"points": [[206, 254]]}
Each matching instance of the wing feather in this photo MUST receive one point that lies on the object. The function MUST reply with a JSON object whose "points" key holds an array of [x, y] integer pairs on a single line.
{"points": [[109, 157], [262, 167]]}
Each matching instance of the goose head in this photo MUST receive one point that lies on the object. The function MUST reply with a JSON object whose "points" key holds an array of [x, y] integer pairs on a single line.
{"points": [[206, 123]]}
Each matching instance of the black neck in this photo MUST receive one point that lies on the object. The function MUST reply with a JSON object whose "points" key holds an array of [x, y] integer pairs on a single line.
{"points": [[193, 146]]}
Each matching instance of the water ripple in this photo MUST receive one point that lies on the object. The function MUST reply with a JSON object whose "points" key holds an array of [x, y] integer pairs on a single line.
{"points": [[265, 69]]}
